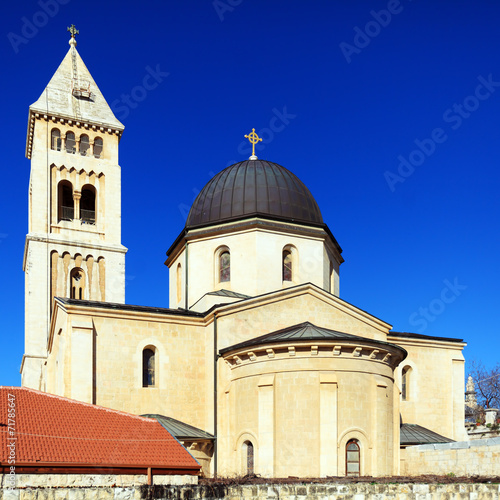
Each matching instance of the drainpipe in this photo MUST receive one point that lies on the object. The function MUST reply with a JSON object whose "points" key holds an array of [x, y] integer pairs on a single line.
{"points": [[215, 395]]}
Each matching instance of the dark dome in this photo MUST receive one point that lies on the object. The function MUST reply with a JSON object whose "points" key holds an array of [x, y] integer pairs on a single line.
{"points": [[253, 188]]}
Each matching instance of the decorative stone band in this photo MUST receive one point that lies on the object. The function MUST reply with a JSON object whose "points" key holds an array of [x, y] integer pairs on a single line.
{"points": [[371, 351], [34, 115]]}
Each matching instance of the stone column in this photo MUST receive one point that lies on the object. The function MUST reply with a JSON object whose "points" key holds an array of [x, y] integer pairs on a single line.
{"points": [[77, 195], [328, 425], [82, 356], [265, 464]]}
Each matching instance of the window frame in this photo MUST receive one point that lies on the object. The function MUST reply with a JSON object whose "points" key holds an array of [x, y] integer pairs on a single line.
{"points": [[219, 269], [354, 442], [406, 383], [81, 288], [149, 374], [291, 251], [88, 188], [69, 213], [70, 137], [98, 143], [249, 457], [86, 142], [57, 146]]}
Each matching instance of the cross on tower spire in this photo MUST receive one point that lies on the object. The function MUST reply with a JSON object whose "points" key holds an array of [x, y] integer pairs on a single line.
{"points": [[73, 31]]}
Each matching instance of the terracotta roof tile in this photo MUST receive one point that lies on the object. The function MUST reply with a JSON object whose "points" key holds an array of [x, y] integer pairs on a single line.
{"points": [[53, 429]]}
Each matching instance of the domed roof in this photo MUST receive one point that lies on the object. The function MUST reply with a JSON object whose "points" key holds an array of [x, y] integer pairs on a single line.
{"points": [[254, 188]]}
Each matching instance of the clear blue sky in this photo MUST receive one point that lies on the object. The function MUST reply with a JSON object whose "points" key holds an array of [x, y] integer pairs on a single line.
{"points": [[421, 241]]}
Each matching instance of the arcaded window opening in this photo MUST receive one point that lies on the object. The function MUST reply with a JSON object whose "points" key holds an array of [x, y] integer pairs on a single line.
{"points": [[84, 145], [352, 458], [148, 367], [77, 285], [70, 143], [224, 266], [55, 139], [87, 204], [98, 146], [65, 203], [405, 383]]}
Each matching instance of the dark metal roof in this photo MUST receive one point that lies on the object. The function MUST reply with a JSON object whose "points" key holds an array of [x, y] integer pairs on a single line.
{"points": [[228, 293], [128, 307], [179, 429], [413, 434], [423, 337], [254, 187], [305, 332]]}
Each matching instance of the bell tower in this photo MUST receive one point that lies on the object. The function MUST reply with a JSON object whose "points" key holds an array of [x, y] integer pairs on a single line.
{"points": [[73, 248]]}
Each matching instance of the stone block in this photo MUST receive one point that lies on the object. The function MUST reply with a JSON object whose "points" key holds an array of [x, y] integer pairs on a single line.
{"points": [[124, 493], [11, 494], [459, 445]]}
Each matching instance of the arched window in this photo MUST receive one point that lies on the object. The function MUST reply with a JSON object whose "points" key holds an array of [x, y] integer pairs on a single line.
{"points": [[405, 383], [224, 266], [352, 458], [55, 139], [248, 455], [98, 145], [70, 142], [65, 203], [87, 204], [287, 266], [84, 145], [179, 282], [77, 285], [148, 368]]}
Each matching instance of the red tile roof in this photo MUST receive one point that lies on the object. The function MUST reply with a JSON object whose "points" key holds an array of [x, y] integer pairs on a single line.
{"points": [[54, 430]]}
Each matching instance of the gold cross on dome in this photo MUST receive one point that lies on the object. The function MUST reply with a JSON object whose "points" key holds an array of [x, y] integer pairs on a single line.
{"points": [[73, 31], [254, 139]]}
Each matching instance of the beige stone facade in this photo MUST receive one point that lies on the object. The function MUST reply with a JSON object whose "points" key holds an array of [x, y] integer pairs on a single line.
{"points": [[256, 349]]}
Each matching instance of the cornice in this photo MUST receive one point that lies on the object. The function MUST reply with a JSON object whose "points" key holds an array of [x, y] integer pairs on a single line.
{"points": [[368, 350], [65, 120]]}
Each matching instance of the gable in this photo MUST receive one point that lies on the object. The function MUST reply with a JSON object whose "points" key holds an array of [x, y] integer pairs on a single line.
{"points": [[265, 314]]}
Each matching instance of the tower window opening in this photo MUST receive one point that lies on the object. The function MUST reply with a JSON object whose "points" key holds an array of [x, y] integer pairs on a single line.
{"points": [[55, 139], [98, 145], [352, 458], [148, 368], [87, 205], [225, 266], [287, 266], [70, 143], [66, 207], [84, 145], [77, 284]]}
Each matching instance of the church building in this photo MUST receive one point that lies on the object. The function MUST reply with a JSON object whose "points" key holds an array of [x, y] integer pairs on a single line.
{"points": [[257, 362]]}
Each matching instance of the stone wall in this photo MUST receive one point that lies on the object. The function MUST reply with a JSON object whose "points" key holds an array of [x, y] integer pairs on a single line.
{"points": [[479, 457], [96, 481], [359, 491]]}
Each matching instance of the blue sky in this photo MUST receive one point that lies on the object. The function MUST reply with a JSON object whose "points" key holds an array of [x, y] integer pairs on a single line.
{"points": [[387, 110]]}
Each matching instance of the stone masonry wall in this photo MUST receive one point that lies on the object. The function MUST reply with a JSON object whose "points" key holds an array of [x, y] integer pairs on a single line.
{"points": [[359, 491], [479, 457]]}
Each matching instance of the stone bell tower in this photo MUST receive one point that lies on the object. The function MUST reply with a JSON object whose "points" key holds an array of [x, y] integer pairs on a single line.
{"points": [[73, 248]]}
